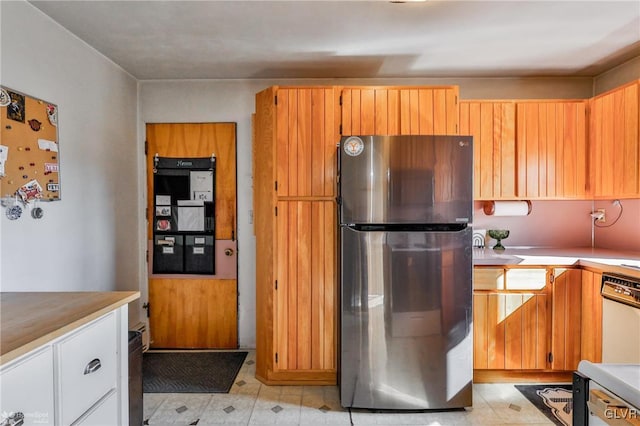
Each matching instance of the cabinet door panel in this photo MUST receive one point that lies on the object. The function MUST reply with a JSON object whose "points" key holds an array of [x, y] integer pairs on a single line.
{"points": [[566, 320], [492, 125], [404, 111], [615, 143], [305, 272], [306, 135], [552, 146], [26, 386], [591, 324]]}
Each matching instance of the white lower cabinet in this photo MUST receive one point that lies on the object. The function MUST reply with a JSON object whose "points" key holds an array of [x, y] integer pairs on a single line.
{"points": [[88, 365], [104, 413], [26, 389], [79, 378]]}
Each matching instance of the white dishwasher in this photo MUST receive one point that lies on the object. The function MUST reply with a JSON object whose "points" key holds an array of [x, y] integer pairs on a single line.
{"points": [[620, 319]]}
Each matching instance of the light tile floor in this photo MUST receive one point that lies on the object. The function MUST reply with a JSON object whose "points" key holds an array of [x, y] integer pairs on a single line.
{"points": [[250, 402]]}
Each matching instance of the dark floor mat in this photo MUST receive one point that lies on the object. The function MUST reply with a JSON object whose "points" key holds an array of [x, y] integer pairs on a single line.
{"points": [[555, 401], [190, 372]]}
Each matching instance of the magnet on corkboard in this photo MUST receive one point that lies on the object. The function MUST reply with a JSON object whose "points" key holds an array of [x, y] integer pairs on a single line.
{"points": [[8, 127], [25, 176], [21, 168], [27, 149], [5, 99], [35, 125]]}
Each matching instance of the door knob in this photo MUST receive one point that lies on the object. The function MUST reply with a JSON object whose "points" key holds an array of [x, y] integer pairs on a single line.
{"points": [[228, 252]]}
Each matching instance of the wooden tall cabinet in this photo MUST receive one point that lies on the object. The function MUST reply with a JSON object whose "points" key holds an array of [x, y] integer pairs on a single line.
{"points": [[551, 142], [493, 127], [399, 110], [296, 131], [614, 134]]}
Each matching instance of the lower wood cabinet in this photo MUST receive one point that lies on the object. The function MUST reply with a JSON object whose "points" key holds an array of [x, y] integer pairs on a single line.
{"points": [[297, 335], [549, 328], [591, 323]]}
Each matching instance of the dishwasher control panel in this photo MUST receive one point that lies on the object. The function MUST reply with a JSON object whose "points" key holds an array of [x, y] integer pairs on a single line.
{"points": [[621, 288]]}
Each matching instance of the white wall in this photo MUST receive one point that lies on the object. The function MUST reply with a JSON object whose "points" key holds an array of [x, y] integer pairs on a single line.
{"points": [[183, 101], [617, 76], [88, 241]]}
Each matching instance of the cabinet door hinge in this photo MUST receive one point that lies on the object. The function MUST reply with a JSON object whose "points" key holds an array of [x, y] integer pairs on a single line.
{"points": [[276, 284], [276, 210], [340, 100], [147, 256], [552, 278], [340, 128], [550, 357], [146, 147], [147, 306], [275, 99], [276, 185]]}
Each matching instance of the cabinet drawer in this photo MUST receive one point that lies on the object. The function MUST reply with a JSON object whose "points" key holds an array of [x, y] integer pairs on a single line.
{"points": [[104, 413], [26, 386], [87, 362]]}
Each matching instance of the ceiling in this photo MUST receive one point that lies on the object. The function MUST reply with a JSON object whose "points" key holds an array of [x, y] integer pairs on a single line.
{"points": [[363, 39]]}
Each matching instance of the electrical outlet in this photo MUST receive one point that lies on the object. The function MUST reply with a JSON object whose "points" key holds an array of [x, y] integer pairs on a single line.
{"points": [[601, 219]]}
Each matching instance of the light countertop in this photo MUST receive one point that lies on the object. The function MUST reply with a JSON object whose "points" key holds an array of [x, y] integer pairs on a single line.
{"points": [[625, 262], [31, 319]]}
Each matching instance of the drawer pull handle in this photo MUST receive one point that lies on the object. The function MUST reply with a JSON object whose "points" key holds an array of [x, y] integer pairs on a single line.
{"points": [[94, 365], [14, 419]]}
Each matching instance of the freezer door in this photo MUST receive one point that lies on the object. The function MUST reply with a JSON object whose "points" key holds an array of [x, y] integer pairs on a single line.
{"points": [[406, 179], [406, 322]]}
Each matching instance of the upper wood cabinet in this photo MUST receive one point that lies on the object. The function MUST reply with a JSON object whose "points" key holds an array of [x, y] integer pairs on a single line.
{"points": [[304, 131], [615, 153], [551, 144], [493, 127], [400, 110]]}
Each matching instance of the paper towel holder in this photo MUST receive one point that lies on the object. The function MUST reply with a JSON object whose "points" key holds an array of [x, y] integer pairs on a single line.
{"points": [[490, 206]]}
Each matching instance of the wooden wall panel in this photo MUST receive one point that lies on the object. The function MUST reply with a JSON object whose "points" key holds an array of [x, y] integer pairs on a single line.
{"points": [[264, 147]]}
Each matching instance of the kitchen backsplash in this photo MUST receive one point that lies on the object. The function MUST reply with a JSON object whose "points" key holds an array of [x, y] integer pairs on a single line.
{"points": [[566, 224]]}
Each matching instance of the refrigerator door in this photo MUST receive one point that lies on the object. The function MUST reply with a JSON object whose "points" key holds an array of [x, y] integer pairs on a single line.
{"points": [[406, 179], [406, 326]]}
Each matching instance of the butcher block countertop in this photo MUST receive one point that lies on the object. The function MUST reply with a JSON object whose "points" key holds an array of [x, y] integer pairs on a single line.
{"points": [[29, 320], [604, 260]]}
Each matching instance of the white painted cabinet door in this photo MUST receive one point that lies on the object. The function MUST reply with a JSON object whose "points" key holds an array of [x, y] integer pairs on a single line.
{"points": [[26, 386], [104, 413], [88, 366]]}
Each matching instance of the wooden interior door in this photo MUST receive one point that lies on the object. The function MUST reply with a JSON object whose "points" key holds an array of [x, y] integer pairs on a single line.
{"points": [[196, 311]]}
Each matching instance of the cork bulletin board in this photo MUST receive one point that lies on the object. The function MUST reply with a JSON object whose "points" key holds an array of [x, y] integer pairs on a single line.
{"points": [[29, 154]]}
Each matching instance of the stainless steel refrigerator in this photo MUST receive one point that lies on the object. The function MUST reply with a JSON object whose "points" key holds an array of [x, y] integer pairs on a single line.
{"points": [[405, 208]]}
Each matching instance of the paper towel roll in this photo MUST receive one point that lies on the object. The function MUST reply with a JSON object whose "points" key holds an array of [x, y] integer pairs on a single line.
{"points": [[507, 208]]}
